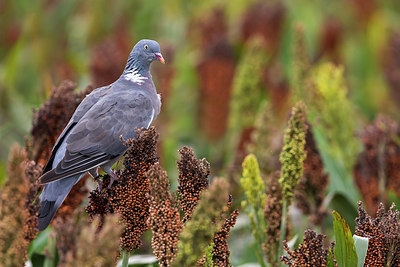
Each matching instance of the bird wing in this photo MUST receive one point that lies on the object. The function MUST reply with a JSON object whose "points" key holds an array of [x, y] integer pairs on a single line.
{"points": [[95, 139], [80, 111]]}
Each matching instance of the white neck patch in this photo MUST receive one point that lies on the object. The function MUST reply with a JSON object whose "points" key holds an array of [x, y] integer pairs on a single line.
{"points": [[134, 76]]}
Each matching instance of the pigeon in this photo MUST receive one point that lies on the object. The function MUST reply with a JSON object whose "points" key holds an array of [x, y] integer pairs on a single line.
{"points": [[92, 137]]}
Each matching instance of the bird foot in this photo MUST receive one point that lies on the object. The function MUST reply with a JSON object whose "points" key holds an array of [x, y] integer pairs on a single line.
{"points": [[113, 177], [99, 183]]}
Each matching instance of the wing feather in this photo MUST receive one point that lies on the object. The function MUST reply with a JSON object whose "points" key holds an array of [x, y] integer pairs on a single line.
{"points": [[96, 137], [80, 111]]}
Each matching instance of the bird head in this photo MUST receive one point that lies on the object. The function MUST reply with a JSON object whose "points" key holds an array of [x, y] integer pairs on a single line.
{"points": [[148, 50], [143, 54]]}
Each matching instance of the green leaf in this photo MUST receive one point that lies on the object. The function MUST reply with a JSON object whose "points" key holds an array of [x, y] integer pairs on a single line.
{"points": [[51, 259], [37, 260], [39, 243], [209, 255], [361, 245], [330, 261], [125, 258], [141, 260], [345, 252], [341, 180], [345, 208]]}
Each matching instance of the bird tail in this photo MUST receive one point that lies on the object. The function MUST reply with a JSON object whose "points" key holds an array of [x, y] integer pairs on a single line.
{"points": [[51, 198]]}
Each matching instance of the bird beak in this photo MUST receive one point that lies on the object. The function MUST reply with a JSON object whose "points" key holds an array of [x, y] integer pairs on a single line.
{"points": [[160, 58]]}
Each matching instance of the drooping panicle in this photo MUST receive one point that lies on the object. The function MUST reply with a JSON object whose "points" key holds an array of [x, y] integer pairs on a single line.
{"points": [[310, 192], [51, 117], [377, 169], [164, 220], [94, 247], [127, 196], [383, 233], [205, 221], [310, 252], [220, 252], [193, 179], [17, 210], [273, 217]]}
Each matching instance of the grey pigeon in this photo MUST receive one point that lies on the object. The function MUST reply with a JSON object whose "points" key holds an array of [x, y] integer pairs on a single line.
{"points": [[91, 138]]}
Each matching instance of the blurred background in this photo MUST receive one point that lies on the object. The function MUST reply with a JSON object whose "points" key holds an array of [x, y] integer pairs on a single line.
{"points": [[226, 63]]}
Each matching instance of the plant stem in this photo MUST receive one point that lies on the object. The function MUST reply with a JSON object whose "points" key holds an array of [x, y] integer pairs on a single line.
{"points": [[125, 258], [257, 244], [283, 231], [259, 255]]}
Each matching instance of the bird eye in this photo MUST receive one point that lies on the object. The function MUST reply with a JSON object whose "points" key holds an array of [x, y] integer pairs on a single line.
{"points": [[146, 47]]}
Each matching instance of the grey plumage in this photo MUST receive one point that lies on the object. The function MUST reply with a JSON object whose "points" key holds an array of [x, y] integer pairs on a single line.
{"points": [[91, 138]]}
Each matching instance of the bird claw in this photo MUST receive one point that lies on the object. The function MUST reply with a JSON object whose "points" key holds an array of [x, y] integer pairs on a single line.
{"points": [[113, 177], [99, 183]]}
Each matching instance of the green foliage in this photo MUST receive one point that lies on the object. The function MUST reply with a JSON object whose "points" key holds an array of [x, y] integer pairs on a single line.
{"points": [[43, 42], [38, 245], [209, 256], [183, 125], [330, 260], [36, 249], [336, 115], [361, 245], [293, 154], [394, 198], [247, 92], [345, 252], [125, 258], [200, 229], [51, 253], [265, 143], [364, 57], [334, 129], [96, 247]]}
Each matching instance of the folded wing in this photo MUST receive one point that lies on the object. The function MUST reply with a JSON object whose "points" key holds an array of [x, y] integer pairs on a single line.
{"points": [[88, 102], [95, 139]]}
